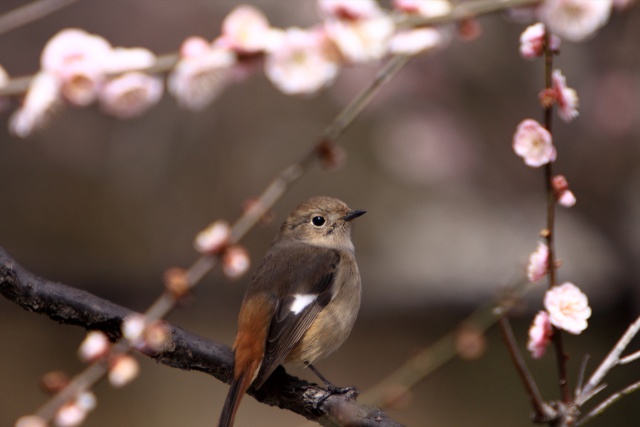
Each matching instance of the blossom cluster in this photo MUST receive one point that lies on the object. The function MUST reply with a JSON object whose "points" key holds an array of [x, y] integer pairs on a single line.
{"points": [[566, 307], [81, 68], [140, 333], [532, 141]]}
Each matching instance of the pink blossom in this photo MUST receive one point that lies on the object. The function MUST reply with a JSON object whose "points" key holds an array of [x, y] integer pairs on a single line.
{"points": [[360, 29], [412, 42], [538, 263], [566, 97], [41, 99], [31, 421], [303, 62], [567, 199], [540, 334], [133, 328], [563, 195], [426, 8], [532, 41], [73, 45], [245, 29], [78, 59], [201, 74], [214, 238], [235, 261], [575, 20], [73, 413], [534, 144], [123, 59], [131, 94], [123, 370], [349, 10], [95, 345], [4, 77], [568, 308], [70, 415]]}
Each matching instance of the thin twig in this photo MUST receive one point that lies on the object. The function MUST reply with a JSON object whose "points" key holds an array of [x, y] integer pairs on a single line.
{"points": [[630, 358], [561, 357], [543, 412], [582, 373], [605, 404], [29, 13], [612, 359], [417, 368]]}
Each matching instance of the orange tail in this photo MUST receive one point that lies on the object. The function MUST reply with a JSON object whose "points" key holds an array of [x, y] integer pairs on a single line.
{"points": [[238, 388]]}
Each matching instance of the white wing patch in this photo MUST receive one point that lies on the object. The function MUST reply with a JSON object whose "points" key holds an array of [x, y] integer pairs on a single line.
{"points": [[301, 301]]}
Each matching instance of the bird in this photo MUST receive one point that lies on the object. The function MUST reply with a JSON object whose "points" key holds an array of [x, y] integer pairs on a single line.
{"points": [[302, 300]]}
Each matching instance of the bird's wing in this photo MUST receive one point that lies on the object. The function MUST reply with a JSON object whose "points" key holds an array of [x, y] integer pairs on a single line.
{"points": [[309, 274]]}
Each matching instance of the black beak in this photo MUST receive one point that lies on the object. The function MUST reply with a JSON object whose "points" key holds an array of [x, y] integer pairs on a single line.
{"points": [[353, 215]]}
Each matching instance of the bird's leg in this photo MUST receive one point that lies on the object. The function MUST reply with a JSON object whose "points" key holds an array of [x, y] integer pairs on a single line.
{"points": [[332, 389]]}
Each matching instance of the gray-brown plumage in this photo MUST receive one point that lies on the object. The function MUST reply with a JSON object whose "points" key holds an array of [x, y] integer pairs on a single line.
{"points": [[303, 299]]}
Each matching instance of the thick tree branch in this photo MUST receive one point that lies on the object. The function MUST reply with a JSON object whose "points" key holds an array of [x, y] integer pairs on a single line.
{"points": [[185, 350]]}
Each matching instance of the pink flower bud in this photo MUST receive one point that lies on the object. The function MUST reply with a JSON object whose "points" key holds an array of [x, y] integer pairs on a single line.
{"points": [[538, 263], [73, 413], [561, 190], [566, 98], [235, 261], [532, 41], [245, 29], [123, 370], [133, 327], [40, 101], [214, 238], [130, 95], [94, 346], [31, 421], [540, 334]]}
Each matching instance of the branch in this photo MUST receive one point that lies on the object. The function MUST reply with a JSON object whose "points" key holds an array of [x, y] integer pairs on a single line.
{"points": [[613, 358], [29, 13], [185, 350], [598, 410], [543, 412]]}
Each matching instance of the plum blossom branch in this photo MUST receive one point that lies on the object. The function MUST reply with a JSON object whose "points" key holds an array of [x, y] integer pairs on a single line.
{"points": [[183, 350], [324, 151]]}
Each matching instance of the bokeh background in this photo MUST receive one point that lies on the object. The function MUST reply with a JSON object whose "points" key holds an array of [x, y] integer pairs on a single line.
{"points": [[107, 206]]}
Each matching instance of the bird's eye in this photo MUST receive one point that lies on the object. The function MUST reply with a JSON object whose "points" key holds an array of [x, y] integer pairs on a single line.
{"points": [[318, 221]]}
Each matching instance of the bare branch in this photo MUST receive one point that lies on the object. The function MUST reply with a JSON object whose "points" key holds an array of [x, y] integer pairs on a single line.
{"points": [[28, 13], [598, 410], [543, 412], [612, 359], [185, 350]]}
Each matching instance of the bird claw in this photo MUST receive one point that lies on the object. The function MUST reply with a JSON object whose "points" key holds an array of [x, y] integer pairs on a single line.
{"points": [[350, 392]]}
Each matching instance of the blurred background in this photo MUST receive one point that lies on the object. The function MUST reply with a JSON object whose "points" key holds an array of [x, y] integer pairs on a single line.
{"points": [[107, 206]]}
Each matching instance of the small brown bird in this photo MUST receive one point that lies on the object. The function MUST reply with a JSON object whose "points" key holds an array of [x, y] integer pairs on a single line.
{"points": [[302, 301]]}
